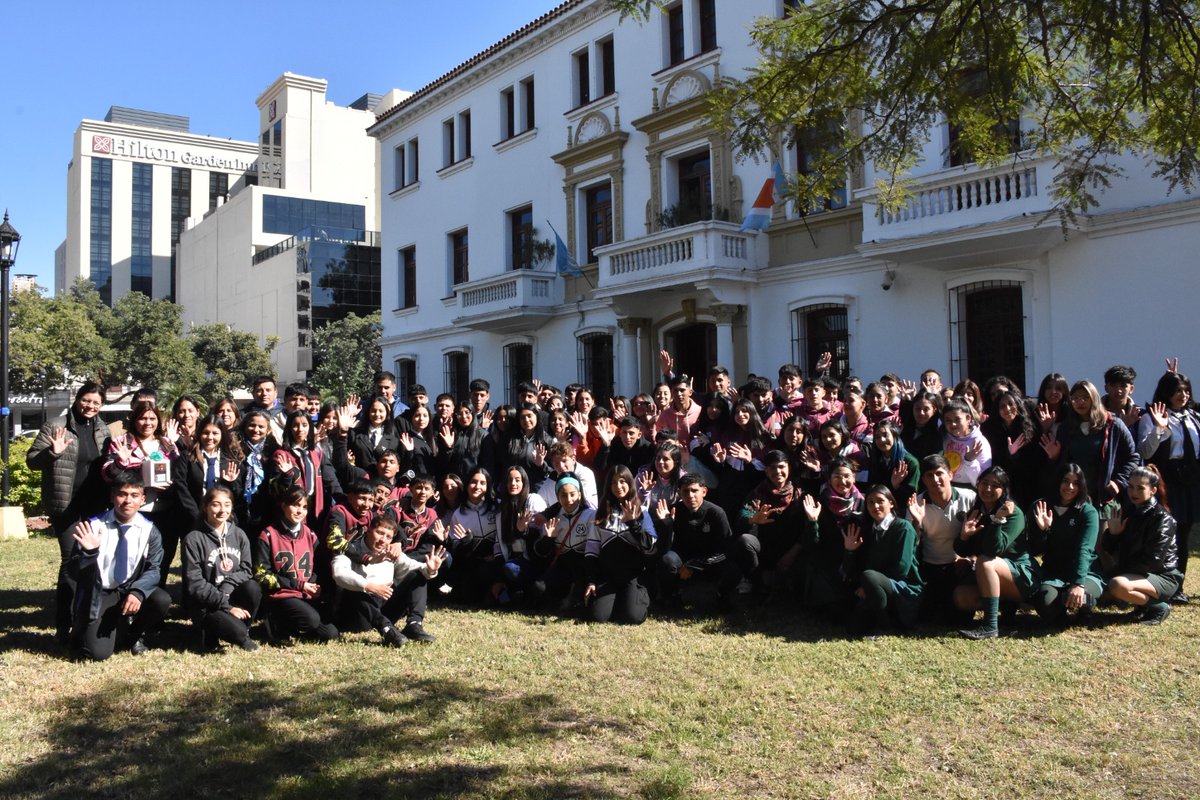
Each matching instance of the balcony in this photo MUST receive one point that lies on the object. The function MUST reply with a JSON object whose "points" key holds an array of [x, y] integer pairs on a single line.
{"points": [[966, 216], [520, 300], [704, 255]]}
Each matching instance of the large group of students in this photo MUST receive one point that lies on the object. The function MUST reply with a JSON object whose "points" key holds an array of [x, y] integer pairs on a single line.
{"points": [[878, 507]]}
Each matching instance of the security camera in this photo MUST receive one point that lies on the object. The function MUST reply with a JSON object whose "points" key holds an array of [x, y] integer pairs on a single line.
{"points": [[889, 277]]}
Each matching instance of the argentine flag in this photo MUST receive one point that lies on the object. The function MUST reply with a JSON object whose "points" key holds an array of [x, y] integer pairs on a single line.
{"points": [[759, 217]]}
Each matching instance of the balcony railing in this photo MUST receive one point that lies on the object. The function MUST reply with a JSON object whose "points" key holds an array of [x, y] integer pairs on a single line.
{"points": [[957, 198], [514, 300], [678, 255]]}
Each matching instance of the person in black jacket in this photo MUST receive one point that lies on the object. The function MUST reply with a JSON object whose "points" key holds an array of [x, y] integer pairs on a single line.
{"points": [[218, 575], [693, 541], [623, 445], [214, 459], [1146, 572]]}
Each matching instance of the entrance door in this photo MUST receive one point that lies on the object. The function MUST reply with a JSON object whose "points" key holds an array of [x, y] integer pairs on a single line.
{"points": [[694, 349]]}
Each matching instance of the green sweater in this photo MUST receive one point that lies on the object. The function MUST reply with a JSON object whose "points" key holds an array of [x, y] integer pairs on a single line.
{"points": [[891, 551], [1006, 540], [1068, 548]]}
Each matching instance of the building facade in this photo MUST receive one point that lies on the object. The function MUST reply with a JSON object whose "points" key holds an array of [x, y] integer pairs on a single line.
{"points": [[300, 247], [596, 128], [133, 180]]}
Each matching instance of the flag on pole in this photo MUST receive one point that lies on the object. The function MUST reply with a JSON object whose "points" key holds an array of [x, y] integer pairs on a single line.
{"points": [[564, 262], [759, 216]]}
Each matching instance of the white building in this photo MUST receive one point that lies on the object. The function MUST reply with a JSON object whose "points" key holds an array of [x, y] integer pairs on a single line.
{"points": [[132, 181], [597, 127], [299, 248]]}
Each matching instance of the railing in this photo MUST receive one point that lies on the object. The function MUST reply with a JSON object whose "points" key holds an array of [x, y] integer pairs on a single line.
{"points": [[676, 251], [969, 192], [319, 234], [501, 301]]}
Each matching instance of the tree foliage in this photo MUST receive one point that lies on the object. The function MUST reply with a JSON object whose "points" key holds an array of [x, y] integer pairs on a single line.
{"points": [[866, 81], [231, 359], [346, 354], [148, 337], [54, 343]]}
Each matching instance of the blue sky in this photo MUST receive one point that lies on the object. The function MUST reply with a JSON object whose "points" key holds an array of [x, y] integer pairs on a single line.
{"points": [[67, 61]]}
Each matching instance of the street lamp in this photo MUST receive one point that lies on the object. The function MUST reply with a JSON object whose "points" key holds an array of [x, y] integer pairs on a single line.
{"points": [[10, 240]]}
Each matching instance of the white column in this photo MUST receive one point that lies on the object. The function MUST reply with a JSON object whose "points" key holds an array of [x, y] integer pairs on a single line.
{"points": [[627, 380], [724, 315]]}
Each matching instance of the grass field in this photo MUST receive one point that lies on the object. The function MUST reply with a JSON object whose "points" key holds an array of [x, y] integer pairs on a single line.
{"points": [[517, 706]]}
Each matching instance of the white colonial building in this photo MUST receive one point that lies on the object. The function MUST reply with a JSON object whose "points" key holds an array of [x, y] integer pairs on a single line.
{"points": [[596, 127]]}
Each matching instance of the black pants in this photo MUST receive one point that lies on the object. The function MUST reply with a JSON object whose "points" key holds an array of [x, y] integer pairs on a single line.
{"points": [[1051, 601], [64, 595], [883, 603], [725, 574], [360, 611], [623, 602], [223, 626], [96, 639], [295, 615]]}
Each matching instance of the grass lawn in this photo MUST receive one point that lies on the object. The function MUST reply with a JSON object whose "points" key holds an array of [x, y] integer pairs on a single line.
{"points": [[515, 706]]}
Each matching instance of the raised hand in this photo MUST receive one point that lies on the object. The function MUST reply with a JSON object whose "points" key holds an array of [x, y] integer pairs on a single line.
{"points": [[899, 474], [1052, 446], [812, 508], [58, 440], [173, 429], [972, 452], [852, 537], [645, 480], [761, 514], [435, 559], [230, 473], [1116, 524], [347, 416], [539, 454], [486, 419], [1045, 416], [579, 423], [1042, 516], [605, 430], [123, 450], [355, 402], [908, 389], [1173, 364], [663, 509], [438, 529], [1015, 445], [550, 528], [739, 450], [665, 363], [1158, 413], [406, 441], [447, 435], [1130, 416], [970, 525], [87, 534], [524, 519], [718, 453], [916, 510], [824, 362], [458, 531]]}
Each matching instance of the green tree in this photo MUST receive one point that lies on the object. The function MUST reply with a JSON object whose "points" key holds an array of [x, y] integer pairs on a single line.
{"points": [[231, 359], [54, 344], [1091, 82], [148, 338], [346, 353]]}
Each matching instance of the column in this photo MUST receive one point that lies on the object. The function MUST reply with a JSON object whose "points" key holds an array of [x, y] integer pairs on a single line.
{"points": [[724, 314], [627, 379]]}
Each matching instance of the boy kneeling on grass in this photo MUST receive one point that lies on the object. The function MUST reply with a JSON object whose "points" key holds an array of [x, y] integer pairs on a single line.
{"points": [[377, 587], [115, 562]]}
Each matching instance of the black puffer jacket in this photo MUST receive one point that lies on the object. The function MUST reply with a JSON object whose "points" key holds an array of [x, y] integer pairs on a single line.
{"points": [[58, 471]]}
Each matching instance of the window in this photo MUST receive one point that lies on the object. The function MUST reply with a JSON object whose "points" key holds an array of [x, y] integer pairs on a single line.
{"points": [[708, 25], [817, 329], [406, 164], [408, 277], [181, 209], [596, 364], [675, 48], [809, 146], [958, 151], [456, 377], [218, 187], [141, 261], [448, 143], [583, 78], [527, 103], [288, 215], [456, 139], [518, 368], [520, 232], [987, 331], [405, 370], [508, 113], [695, 188], [597, 218], [100, 267], [459, 257], [608, 67], [270, 162]]}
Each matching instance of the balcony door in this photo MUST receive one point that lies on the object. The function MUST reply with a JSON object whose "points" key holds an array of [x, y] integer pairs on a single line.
{"points": [[694, 349]]}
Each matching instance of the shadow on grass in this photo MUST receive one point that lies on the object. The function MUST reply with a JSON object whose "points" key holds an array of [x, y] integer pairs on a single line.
{"points": [[435, 737]]}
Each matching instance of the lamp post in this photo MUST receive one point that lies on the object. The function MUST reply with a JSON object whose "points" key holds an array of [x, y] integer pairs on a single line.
{"points": [[10, 240]]}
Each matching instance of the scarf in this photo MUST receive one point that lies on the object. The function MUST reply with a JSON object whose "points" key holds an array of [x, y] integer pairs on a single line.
{"points": [[842, 508]]}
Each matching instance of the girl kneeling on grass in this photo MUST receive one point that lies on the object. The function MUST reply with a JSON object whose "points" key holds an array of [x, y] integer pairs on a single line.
{"points": [[218, 575], [1146, 572], [285, 566], [994, 534], [621, 539], [1064, 532], [881, 557]]}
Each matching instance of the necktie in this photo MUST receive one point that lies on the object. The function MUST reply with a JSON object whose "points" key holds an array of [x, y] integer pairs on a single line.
{"points": [[121, 556], [210, 476], [374, 439]]}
